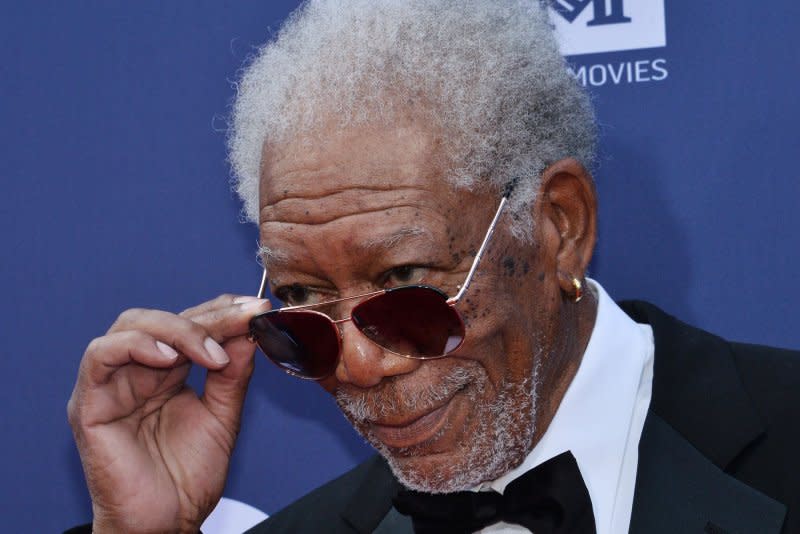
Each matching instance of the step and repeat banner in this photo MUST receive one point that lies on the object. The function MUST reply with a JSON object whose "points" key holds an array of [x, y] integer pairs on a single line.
{"points": [[116, 195]]}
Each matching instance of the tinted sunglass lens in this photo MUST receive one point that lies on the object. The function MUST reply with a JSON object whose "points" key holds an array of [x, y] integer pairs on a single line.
{"points": [[414, 321], [304, 343]]}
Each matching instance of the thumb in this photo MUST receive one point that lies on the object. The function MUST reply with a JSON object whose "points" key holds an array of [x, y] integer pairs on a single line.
{"points": [[225, 389]]}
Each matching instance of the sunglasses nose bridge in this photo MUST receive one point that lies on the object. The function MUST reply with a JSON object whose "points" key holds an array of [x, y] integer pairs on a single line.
{"points": [[341, 310]]}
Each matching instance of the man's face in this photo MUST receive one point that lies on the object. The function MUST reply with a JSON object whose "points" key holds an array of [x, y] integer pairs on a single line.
{"points": [[369, 209]]}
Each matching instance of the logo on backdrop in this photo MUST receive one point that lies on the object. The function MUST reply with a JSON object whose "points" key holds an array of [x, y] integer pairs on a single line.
{"points": [[611, 26]]}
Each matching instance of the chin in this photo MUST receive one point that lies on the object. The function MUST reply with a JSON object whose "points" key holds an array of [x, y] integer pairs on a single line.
{"points": [[480, 440]]}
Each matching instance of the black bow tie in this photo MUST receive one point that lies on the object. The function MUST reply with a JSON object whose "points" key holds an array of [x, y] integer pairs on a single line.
{"points": [[549, 499]]}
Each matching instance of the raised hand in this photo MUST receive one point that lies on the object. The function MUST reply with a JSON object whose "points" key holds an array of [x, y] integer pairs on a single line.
{"points": [[156, 454]]}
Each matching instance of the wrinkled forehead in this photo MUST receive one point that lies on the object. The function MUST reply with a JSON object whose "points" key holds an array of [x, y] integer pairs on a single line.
{"points": [[369, 156], [310, 225], [364, 189]]}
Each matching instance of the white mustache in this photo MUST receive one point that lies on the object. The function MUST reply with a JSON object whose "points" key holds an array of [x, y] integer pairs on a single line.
{"points": [[394, 398]]}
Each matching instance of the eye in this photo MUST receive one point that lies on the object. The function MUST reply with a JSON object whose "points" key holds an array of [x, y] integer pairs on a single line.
{"points": [[296, 295], [404, 275]]}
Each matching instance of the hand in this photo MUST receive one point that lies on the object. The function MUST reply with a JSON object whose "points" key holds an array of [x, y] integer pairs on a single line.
{"points": [[155, 454]]}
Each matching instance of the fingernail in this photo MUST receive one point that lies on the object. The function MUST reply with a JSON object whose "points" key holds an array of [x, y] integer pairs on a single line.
{"points": [[166, 350], [253, 304], [216, 352], [246, 298]]}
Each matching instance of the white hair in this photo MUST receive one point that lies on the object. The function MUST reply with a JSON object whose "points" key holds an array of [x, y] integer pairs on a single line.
{"points": [[488, 73]]}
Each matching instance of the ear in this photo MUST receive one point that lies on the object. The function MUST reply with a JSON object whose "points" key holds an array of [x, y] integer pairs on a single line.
{"points": [[568, 209]]}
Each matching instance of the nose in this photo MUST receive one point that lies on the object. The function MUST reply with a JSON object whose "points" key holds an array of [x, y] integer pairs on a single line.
{"points": [[364, 364]]}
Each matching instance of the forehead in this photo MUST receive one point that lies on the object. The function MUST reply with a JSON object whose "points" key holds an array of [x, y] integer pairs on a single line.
{"points": [[371, 157], [353, 193]]}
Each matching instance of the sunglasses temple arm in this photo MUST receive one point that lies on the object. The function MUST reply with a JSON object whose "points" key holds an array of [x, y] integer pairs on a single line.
{"points": [[262, 289], [480, 252]]}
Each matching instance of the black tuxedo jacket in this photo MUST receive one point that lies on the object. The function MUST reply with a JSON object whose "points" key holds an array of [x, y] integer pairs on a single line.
{"points": [[718, 452]]}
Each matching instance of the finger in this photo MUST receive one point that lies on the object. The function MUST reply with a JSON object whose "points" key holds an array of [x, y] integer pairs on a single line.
{"points": [[104, 357], [187, 337], [222, 301], [225, 390], [118, 372], [106, 354], [232, 321]]}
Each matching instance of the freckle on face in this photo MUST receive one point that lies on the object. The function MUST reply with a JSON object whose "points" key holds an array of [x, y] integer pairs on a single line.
{"points": [[509, 266]]}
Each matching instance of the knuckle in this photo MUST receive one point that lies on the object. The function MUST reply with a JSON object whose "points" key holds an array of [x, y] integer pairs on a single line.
{"points": [[72, 412], [132, 313], [194, 329], [215, 316], [95, 346], [128, 317], [225, 298]]}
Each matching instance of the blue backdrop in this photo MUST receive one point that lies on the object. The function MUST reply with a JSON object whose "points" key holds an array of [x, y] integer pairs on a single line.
{"points": [[115, 194]]}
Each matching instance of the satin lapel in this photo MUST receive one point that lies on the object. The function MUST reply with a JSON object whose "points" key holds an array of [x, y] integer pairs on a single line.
{"points": [[395, 523], [696, 387], [370, 506], [700, 420], [680, 490]]}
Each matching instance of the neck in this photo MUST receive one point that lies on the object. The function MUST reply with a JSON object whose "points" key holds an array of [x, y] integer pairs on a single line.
{"points": [[576, 325]]}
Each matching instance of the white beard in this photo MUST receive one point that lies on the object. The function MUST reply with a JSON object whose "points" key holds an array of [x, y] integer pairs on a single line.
{"points": [[503, 428]]}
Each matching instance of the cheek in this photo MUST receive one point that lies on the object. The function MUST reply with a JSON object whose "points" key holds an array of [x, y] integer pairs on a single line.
{"points": [[476, 309], [508, 334], [485, 346]]}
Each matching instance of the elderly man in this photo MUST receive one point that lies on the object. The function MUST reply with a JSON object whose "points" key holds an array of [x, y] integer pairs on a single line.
{"points": [[418, 172]]}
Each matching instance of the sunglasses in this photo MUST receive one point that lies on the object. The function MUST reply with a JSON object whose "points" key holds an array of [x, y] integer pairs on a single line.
{"points": [[414, 321]]}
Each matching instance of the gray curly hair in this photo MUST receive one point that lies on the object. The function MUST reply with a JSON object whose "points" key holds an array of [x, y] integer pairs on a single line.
{"points": [[487, 72]]}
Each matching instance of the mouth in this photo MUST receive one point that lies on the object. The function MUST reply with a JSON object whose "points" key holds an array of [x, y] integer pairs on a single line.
{"points": [[414, 431]]}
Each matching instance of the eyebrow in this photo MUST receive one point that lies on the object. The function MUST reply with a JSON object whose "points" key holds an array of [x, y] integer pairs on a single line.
{"points": [[270, 256], [393, 239]]}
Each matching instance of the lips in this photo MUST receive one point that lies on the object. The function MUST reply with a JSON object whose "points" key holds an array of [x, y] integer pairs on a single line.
{"points": [[414, 431]]}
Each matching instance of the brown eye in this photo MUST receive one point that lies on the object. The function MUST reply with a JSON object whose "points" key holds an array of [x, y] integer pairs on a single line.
{"points": [[404, 275], [293, 295]]}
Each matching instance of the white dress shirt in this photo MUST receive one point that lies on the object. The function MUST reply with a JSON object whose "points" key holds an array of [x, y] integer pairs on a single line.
{"points": [[600, 418]]}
